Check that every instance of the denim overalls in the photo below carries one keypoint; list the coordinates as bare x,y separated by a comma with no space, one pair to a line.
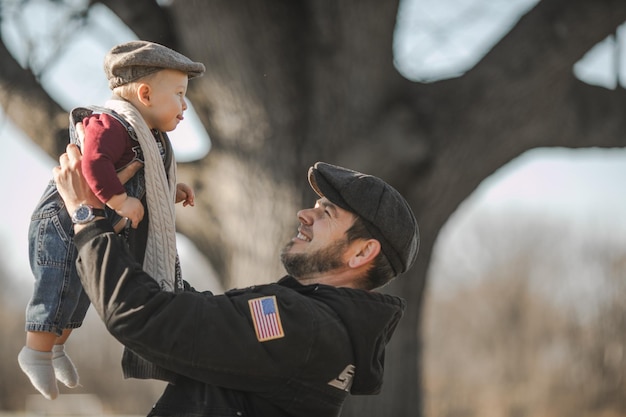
58,301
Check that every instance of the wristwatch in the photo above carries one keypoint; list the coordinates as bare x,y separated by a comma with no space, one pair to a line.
86,213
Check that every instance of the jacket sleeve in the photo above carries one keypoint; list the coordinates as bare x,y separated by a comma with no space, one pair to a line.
206,337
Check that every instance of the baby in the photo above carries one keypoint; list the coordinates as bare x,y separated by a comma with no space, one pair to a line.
129,165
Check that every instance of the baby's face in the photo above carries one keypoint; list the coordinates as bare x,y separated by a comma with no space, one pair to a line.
166,102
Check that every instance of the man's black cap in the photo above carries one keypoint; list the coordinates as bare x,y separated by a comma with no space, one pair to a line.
386,213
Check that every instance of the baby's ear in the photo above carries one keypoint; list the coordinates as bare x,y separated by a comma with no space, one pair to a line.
143,94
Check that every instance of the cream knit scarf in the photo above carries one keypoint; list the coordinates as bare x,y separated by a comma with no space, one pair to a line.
160,256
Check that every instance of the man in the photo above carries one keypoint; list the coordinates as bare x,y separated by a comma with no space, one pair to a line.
297,347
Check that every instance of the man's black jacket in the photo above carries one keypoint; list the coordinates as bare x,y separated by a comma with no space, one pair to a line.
281,349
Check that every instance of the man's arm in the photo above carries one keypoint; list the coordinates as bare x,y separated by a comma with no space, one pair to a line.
209,338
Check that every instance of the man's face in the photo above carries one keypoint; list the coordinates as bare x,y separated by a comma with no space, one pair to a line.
320,244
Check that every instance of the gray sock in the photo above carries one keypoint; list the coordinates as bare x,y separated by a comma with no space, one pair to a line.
64,369
38,367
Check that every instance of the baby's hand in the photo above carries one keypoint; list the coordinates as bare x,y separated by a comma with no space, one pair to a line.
185,194
132,209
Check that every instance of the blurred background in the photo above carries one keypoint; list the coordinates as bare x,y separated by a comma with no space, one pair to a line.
523,311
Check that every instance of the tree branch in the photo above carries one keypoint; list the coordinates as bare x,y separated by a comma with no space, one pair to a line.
28,105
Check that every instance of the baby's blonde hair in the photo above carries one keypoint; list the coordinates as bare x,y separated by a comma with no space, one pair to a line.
128,91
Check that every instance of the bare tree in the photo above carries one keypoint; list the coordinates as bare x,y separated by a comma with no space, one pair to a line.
290,83
502,342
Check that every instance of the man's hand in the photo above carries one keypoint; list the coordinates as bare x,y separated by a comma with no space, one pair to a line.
70,182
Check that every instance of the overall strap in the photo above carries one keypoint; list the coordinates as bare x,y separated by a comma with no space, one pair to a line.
77,115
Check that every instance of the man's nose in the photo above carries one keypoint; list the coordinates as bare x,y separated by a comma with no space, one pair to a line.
306,216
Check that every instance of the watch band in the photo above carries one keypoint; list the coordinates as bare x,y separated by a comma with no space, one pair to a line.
98,212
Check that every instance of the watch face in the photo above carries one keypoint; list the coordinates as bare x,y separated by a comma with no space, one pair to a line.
82,214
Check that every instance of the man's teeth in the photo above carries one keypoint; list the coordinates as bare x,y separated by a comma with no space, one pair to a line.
302,237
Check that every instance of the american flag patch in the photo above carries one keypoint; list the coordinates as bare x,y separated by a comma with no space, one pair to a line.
266,319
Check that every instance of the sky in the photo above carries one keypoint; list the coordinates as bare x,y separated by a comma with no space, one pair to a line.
578,183
439,39
430,45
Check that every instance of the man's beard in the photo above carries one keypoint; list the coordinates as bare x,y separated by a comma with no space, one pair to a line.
300,265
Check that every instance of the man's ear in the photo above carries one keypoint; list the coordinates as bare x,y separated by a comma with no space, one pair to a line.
366,251
143,94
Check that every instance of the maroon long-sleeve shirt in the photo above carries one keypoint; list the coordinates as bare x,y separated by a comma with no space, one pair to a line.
107,148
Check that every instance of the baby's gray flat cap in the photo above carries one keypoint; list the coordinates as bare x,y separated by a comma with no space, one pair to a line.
133,60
